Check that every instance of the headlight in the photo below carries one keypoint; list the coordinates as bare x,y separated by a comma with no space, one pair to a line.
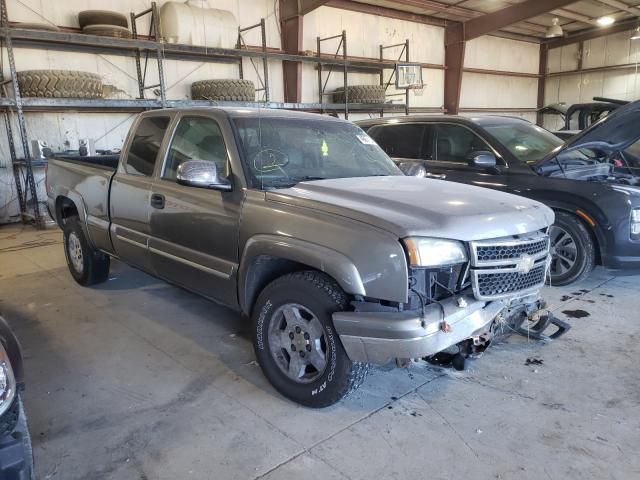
635,224
433,252
7,381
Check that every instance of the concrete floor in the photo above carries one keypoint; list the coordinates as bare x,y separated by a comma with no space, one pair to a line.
136,379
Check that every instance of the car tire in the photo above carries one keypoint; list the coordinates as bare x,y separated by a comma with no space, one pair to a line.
224,90
297,308
573,253
87,265
59,84
102,17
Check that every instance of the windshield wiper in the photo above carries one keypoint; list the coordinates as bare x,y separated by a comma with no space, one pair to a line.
306,178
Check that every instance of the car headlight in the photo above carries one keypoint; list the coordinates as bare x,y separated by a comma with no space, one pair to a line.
434,252
635,224
7,381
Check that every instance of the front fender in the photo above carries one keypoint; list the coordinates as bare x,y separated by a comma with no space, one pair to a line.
324,259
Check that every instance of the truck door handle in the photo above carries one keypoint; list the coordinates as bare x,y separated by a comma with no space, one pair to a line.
157,201
433,175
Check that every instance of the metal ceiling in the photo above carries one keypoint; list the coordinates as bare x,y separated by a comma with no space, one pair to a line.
575,17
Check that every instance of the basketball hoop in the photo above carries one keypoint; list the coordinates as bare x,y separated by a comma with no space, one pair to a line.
409,76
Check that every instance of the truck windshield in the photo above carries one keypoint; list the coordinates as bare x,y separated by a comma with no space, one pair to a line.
280,152
528,143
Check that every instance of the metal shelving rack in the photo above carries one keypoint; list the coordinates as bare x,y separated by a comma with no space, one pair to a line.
405,52
139,48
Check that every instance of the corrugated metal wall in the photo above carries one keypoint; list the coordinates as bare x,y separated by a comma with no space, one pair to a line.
610,50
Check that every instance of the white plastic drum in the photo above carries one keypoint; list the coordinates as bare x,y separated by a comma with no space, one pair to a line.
193,23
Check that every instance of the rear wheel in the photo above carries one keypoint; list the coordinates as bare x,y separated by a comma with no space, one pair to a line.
87,265
572,250
296,344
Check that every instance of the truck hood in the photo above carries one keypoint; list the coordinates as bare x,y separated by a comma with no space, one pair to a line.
411,206
614,132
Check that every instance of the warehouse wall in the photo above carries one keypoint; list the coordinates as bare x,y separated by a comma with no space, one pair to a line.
365,34
62,130
481,90
610,50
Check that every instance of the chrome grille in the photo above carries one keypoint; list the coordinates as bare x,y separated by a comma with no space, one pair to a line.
503,267
509,252
498,283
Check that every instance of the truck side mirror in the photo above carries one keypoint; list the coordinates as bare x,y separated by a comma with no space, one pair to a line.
412,169
202,174
482,159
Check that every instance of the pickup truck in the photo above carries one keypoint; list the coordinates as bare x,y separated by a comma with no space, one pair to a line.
304,224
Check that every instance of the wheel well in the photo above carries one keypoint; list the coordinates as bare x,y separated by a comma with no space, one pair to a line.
65,208
589,229
265,269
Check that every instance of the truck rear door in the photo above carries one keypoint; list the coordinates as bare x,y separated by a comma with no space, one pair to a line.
130,198
194,231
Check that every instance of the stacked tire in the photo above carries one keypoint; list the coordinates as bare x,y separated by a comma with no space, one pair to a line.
59,84
104,23
224,90
361,94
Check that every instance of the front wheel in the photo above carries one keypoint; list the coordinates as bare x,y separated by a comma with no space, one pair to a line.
295,342
572,250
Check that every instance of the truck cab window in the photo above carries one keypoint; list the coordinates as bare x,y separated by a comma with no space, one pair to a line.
196,138
145,146
399,141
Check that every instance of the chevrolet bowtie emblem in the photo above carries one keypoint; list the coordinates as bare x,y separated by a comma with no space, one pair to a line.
525,264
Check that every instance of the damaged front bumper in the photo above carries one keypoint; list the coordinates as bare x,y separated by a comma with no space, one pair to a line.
379,337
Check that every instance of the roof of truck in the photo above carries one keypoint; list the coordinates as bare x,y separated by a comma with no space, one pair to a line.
250,112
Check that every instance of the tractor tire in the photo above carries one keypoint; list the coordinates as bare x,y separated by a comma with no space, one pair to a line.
59,84
228,90
361,94
107,31
102,17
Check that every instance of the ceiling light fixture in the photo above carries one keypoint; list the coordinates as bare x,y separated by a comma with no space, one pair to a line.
555,30
636,34
605,21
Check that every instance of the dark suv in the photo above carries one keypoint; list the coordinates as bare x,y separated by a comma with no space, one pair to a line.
591,181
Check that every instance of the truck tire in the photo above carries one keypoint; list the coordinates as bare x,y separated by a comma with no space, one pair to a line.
87,265
102,17
107,31
296,344
573,253
361,94
59,84
229,90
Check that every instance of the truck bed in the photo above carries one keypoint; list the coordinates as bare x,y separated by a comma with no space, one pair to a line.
85,181
104,161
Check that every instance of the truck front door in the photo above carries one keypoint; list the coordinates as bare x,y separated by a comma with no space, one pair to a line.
194,231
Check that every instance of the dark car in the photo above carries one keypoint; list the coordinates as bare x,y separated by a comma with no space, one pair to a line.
591,181
16,460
